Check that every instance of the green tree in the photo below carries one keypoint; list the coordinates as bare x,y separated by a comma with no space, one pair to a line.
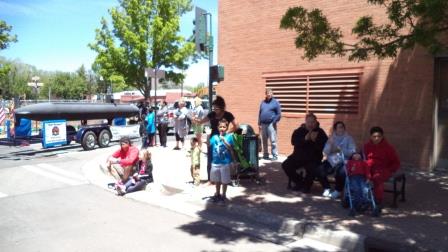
410,23
66,86
5,37
198,87
144,34
14,78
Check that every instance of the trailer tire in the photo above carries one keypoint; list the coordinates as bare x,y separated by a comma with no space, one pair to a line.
88,141
104,138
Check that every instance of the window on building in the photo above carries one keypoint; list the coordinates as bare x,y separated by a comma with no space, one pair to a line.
321,92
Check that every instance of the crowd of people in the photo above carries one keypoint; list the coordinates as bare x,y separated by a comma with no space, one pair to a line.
320,156
315,155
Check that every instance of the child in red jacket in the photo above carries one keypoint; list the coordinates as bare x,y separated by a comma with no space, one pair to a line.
358,167
359,176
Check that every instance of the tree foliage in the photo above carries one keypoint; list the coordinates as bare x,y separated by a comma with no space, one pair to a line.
14,78
410,23
5,35
5,39
64,85
144,34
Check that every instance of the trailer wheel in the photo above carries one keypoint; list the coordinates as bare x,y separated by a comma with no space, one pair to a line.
104,138
88,141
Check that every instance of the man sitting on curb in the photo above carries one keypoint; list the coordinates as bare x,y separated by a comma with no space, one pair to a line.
121,163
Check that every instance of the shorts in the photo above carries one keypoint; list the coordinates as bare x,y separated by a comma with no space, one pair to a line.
119,169
178,138
220,173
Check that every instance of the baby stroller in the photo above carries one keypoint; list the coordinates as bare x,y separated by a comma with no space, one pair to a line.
246,155
358,196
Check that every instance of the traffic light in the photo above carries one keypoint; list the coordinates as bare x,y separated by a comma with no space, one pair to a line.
217,73
200,30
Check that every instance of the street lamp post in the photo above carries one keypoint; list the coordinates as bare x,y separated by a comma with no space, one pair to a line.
156,74
36,84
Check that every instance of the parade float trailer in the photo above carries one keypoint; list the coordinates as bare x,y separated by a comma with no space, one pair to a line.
56,132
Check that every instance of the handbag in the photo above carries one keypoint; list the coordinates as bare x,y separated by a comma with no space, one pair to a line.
335,159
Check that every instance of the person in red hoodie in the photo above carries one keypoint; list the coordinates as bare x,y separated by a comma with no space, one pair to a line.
382,161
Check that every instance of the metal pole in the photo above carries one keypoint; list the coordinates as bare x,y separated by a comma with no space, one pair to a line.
210,62
155,102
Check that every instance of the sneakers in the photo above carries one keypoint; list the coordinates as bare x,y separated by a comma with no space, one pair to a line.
222,200
274,158
266,157
327,193
335,194
121,189
176,148
215,198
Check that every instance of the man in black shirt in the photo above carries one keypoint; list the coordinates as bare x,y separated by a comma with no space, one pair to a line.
308,141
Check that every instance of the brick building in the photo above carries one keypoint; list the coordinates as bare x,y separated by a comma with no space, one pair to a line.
401,95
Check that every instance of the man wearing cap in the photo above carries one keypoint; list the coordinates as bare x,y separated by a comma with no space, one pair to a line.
268,117
121,163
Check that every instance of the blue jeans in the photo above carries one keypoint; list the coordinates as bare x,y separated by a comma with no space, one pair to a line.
269,131
134,187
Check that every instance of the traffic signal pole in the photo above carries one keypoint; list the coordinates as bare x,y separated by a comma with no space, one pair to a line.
210,62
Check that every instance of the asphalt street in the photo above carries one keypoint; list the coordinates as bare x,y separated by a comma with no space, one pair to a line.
47,204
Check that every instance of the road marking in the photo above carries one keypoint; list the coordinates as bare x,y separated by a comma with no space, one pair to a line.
42,172
61,172
3,195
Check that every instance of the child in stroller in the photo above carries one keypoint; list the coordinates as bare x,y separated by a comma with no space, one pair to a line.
358,189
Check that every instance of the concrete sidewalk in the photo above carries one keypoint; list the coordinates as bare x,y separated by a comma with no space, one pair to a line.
271,212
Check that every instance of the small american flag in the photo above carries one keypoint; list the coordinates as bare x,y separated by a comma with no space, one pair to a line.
2,114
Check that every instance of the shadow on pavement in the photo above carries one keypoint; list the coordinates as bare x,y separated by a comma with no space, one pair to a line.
419,224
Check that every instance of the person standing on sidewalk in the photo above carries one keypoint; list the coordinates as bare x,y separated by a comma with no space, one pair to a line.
268,117
150,126
221,146
382,160
219,112
142,131
195,161
162,127
198,114
180,124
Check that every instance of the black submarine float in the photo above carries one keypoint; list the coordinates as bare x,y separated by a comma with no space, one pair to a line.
88,135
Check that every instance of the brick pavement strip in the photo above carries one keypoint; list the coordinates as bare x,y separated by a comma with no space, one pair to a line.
272,213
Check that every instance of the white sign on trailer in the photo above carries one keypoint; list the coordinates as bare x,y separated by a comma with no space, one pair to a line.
131,131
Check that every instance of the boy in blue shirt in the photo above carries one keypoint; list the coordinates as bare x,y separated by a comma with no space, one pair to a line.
222,153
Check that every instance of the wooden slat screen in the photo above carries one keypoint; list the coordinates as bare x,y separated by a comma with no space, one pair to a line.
323,94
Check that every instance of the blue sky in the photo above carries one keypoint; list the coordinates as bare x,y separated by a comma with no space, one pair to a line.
53,34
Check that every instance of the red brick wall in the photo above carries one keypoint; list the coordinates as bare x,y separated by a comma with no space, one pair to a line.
396,94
